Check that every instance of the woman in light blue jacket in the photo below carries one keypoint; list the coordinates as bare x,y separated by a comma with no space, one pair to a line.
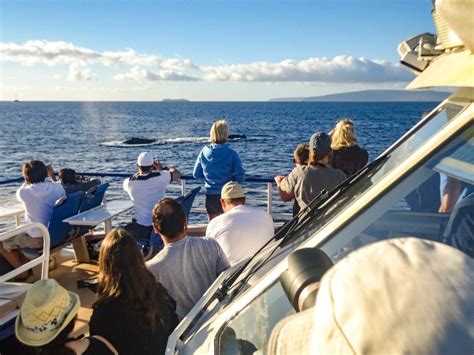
218,164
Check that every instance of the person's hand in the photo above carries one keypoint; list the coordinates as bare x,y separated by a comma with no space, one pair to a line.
50,172
279,179
157,165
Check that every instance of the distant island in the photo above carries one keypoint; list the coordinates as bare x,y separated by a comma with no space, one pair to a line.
175,100
375,96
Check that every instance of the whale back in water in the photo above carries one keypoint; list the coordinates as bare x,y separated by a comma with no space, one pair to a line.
135,140
237,136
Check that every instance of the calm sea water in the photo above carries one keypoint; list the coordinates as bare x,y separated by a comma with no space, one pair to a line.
86,135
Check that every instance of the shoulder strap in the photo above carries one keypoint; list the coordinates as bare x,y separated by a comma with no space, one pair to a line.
106,343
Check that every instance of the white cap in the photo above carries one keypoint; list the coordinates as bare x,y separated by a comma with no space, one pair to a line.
145,159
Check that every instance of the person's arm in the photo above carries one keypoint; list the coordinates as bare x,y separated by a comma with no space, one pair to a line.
284,194
175,174
197,171
239,172
51,173
450,195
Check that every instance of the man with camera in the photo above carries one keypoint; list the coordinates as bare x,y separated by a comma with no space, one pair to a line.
146,188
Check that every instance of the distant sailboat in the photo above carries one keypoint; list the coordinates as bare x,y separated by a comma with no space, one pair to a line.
16,98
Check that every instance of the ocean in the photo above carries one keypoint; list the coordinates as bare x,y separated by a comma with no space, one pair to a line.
86,136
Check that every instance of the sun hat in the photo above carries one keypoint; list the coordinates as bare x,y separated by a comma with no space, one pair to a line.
397,296
145,159
232,190
47,309
320,142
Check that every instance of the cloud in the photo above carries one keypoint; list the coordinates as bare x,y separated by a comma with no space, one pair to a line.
60,52
150,67
79,72
341,69
140,74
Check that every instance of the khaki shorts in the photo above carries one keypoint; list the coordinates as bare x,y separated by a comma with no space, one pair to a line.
21,241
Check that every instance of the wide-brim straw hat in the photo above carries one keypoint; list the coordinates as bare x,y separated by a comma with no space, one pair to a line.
47,309
396,296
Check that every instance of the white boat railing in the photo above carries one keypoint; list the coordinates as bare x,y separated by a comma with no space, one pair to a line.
266,196
42,259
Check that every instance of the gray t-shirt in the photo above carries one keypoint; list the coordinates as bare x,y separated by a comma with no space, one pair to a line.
306,182
187,268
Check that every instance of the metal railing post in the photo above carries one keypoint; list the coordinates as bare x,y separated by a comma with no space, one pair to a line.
183,187
269,198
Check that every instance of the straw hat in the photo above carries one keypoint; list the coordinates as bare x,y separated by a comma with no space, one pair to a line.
396,296
47,310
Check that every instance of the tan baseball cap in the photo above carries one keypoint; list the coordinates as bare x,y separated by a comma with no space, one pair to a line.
232,190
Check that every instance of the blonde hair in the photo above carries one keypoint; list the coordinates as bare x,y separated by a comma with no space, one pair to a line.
219,132
343,134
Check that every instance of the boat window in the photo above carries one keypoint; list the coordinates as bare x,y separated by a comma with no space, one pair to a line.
435,202
250,330
409,209
395,156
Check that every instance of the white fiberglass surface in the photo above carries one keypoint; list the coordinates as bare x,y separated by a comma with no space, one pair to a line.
421,192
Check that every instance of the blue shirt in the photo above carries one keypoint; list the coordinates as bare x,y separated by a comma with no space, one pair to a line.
218,164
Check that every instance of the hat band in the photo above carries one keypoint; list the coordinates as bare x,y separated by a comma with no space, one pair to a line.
54,324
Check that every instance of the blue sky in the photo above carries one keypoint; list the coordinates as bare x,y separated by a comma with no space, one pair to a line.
203,50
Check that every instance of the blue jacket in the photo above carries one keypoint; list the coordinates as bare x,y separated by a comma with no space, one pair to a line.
218,164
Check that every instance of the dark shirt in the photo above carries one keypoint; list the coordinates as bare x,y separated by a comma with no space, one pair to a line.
350,159
114,321
97,347
460,229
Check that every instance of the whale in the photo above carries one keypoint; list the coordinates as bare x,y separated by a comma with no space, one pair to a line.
237,136
136,140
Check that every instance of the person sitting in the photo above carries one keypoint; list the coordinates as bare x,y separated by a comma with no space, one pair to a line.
217,164
397,296
130,302
70,181
305,183
241,231
46,321
39,198
146,188
300,158
186,267
348,156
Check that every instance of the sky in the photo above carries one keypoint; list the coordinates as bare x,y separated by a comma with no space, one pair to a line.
227,50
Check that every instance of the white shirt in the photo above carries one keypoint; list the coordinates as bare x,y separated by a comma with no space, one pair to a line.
146,191
38,201
241,232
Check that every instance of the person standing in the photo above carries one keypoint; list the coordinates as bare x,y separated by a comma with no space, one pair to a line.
38,198
217,164
348,156
305,183
146,188
241,230
186,266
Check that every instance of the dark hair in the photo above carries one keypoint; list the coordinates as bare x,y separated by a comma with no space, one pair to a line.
34,171
301,154
67,176
169,217
123,275
58,344
145,169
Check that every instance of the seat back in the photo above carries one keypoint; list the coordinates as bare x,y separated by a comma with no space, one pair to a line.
187,200
59,230
94,197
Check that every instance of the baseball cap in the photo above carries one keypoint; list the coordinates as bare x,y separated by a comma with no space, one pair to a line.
393,297
232,190
320,142
145,159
